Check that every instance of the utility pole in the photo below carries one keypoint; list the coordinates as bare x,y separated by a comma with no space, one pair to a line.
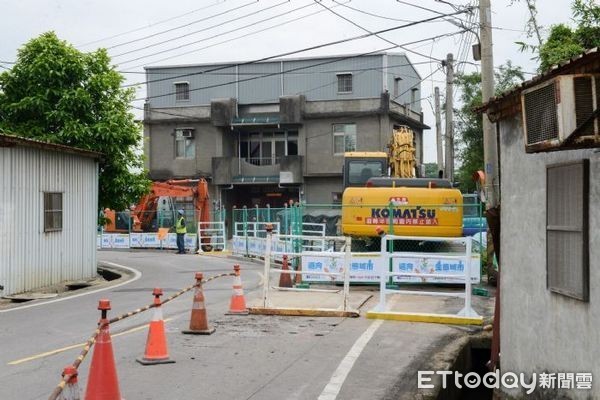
449,141
438,131
490,144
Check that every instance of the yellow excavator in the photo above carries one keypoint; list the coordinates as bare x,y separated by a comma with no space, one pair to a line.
380,186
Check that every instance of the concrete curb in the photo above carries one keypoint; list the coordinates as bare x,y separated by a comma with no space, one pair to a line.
425,317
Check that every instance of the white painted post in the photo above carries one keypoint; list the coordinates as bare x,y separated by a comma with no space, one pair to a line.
468,310
383,273
267,269
347,266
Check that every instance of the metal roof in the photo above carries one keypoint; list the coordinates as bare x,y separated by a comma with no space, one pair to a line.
586,62
275,60
7,140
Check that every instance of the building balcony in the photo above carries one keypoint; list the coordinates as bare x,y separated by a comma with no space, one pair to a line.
234,170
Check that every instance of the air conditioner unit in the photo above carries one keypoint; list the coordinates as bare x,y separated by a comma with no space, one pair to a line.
185,133
554,109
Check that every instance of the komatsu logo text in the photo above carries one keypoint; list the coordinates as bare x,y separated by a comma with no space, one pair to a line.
403,216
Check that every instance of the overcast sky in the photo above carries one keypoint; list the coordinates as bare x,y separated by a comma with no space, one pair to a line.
136,27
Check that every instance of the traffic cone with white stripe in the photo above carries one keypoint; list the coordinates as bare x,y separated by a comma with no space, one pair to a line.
71,389
237,305
156,343
103,383
198,320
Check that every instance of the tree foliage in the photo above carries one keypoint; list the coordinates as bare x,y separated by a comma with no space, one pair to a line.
564,42
58,94
469,126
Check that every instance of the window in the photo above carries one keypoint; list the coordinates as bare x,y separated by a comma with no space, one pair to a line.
336,197
360,171
567,242
397,82
182,91
267,148
344,83
184,143
413,97
53,212
344,138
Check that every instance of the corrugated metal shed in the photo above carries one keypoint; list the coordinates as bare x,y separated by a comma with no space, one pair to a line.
29,257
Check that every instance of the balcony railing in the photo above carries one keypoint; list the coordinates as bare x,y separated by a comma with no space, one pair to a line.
260,161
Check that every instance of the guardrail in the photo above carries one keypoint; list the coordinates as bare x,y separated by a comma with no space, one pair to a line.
343,310
213,233
465,316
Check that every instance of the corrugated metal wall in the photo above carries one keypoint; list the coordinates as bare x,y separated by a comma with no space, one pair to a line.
315,82
29,257
399,67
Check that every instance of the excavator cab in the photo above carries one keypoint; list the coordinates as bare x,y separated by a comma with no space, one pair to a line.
359,167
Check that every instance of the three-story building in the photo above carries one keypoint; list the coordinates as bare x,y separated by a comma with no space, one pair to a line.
269,132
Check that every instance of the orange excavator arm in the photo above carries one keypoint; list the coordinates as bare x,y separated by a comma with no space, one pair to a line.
146,208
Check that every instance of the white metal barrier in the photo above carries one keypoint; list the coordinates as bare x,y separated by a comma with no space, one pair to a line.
269,254
253,229
213,233
380,311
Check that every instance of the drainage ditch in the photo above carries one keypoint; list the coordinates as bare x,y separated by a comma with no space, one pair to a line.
471,358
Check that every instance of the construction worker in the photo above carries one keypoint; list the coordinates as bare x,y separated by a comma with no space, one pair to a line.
181,230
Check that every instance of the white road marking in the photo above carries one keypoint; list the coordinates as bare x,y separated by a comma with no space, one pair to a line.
137,275
334,386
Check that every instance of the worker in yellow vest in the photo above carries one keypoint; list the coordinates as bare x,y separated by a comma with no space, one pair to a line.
181,230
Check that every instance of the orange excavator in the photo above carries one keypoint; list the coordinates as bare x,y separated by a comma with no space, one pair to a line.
144,213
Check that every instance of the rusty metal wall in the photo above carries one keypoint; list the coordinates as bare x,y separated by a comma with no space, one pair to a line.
29,257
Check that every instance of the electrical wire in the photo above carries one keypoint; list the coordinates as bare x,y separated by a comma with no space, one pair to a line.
273,73
294,73
319,46
218,25
235,38
368,31
214,36
182,26
141,28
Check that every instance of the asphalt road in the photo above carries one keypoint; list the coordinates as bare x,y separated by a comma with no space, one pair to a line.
249,357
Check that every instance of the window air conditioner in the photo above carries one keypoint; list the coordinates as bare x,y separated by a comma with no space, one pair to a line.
187,133
554,109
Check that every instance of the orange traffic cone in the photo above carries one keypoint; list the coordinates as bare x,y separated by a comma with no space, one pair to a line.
238,302
156,343
103,383
198,320
285,280
71,389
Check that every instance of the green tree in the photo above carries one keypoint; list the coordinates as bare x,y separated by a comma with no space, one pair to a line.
431,170
563,42
469,126
58,94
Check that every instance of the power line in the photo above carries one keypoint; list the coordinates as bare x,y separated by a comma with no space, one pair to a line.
195,32
415,84
276,73
151,25
301,50
181,27
372,14
287,72
214,36
237,37
368,31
